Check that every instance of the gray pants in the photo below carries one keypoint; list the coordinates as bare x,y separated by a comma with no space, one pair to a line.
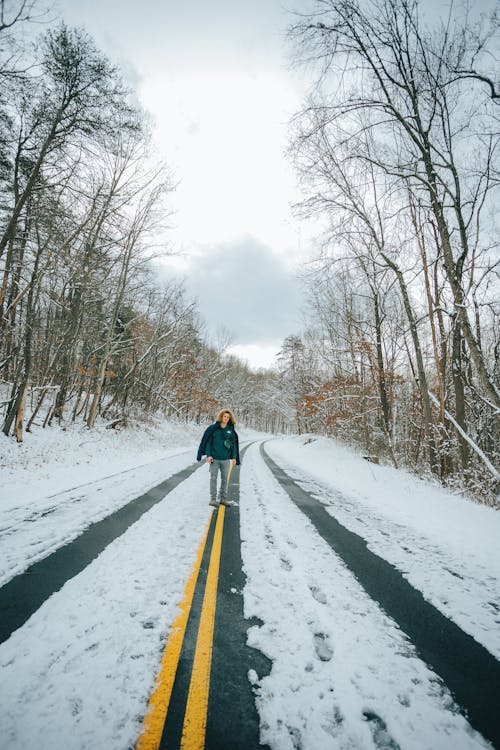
224,473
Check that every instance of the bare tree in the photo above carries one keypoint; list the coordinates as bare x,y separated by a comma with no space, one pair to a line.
399,82
398,160
79,94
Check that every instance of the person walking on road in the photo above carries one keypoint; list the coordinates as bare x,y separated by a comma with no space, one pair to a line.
220,444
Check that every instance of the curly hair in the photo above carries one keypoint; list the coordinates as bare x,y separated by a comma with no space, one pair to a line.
231,416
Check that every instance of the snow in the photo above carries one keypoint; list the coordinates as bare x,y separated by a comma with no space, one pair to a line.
445,545
79,673
59,483
89,653
52,460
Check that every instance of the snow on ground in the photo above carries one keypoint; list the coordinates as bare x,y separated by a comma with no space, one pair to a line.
57,483
78,674
445,545
343,674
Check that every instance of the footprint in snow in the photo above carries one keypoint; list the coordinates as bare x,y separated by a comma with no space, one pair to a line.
323,650
318,594
295,736
381,736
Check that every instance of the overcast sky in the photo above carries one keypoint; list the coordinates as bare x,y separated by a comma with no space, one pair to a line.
214,75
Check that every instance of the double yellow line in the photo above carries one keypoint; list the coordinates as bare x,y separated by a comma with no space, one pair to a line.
195,717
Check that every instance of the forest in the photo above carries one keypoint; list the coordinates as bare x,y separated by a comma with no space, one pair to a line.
396,151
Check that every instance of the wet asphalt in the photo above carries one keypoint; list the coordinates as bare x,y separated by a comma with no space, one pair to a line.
467,669
25,593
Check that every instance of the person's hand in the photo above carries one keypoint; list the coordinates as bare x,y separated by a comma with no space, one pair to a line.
210,459
233,461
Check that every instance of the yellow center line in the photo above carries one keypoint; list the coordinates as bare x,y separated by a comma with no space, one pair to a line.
195,717
154,719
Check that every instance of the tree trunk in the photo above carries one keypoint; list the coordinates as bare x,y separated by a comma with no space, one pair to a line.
18,427
97,393
37,408
381,378
422,378
455,282
16,410
445,458
458,386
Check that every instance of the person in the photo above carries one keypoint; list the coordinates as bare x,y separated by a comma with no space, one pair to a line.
220,444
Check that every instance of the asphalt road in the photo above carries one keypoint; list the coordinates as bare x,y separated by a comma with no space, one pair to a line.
25,593
232,722
221,700
470,672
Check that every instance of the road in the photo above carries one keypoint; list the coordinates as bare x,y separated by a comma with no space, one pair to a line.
203,697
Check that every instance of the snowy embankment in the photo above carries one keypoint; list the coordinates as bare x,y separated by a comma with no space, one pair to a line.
52,460
58,482
78,674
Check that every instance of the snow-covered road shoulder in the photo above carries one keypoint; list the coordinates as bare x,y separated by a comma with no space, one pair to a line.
89,655
343,674
444,544
79,672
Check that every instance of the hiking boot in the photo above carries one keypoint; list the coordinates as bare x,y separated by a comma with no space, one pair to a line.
227,503
213,502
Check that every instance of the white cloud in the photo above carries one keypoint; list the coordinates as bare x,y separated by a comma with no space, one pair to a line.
213,76
225,135
243,287
256,355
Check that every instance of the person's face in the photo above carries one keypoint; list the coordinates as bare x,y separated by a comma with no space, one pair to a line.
224,419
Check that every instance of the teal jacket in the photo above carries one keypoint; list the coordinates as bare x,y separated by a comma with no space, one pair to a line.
221,444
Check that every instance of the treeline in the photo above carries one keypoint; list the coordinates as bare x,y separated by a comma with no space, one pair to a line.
87,329
397,152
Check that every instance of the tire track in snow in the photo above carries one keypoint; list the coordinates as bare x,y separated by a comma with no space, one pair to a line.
25,593
468,670
343,674
29,542
19,512
78,674
472,600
